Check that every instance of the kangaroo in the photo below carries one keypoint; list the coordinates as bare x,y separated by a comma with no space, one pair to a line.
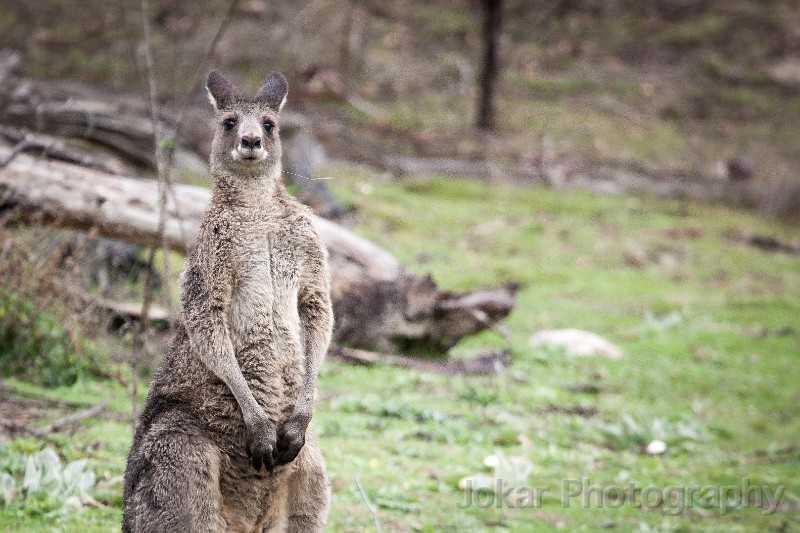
223,442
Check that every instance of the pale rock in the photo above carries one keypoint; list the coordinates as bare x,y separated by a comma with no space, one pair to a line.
576,342
491,461
656,447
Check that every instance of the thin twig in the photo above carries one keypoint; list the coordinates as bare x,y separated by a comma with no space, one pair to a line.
20,147
138,342
151,86
162,164
369,505
70,419
141,332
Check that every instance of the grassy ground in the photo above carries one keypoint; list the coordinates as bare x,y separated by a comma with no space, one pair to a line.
710,329
710,326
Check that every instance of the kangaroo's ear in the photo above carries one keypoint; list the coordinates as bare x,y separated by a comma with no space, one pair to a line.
221,92
273,92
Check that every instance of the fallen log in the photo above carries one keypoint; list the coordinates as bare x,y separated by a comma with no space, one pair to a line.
109,118
55,148
123,313
377,302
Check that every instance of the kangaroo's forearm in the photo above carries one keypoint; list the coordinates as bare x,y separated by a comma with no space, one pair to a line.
316,336
214,348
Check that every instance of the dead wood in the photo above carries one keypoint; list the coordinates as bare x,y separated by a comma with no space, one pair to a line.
463,168
377,301
106,117
70,419
303,157
58,149
771,244
766,243
132,310
123,314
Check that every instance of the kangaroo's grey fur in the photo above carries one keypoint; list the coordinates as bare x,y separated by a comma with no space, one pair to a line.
223,441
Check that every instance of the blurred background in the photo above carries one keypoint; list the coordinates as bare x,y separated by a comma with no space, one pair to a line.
589,213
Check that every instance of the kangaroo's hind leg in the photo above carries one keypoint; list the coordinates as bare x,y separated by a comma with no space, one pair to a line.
172,482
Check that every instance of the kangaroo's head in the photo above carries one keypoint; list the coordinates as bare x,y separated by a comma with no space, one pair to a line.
246,142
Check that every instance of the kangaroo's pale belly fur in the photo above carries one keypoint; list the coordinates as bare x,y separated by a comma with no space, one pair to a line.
265,323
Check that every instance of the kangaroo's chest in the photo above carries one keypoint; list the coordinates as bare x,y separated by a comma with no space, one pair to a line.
265,287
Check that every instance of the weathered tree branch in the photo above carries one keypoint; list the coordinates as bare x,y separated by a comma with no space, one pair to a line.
55,148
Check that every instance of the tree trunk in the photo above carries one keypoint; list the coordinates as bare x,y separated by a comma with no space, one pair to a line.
377,302
492,22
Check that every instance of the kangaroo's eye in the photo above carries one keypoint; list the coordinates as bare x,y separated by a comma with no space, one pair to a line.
229,123
268,126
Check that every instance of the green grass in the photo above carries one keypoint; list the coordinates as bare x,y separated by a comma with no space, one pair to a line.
696,31
710,328
553,89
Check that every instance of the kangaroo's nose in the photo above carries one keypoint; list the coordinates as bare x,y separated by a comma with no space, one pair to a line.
251,141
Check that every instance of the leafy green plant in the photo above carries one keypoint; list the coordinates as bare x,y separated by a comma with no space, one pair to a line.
666,526
8,489
48,488
508,473
629,433
35,344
